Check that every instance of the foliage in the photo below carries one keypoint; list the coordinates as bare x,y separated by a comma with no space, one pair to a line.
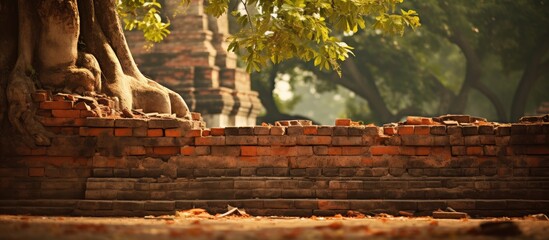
279,30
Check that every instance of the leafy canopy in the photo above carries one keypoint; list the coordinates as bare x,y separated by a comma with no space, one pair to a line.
277,30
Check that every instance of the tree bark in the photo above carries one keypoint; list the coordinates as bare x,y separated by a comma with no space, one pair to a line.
533,70
49,56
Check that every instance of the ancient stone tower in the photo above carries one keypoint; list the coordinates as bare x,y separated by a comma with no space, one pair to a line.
193,61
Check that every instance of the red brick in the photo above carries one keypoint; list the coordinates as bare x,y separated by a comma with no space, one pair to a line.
56,105
444,153
405,130
217,131
474,150
310,130
62,122
314,140
366,161
248,162
304,150
407,151
196,116
194,133
343,122
248,151
352,151
422,130
65,113
187,150
39,96
427,121
202,150
92,131
206,132
36,172
135,150
263,151
423,151
241,140
173,132
69,130
155,132
283,151
413,120
277,130
166,150
537,150
334,150
123,132
208,141
381,150
389,130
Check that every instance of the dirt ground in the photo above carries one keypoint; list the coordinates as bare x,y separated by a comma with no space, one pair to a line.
204,226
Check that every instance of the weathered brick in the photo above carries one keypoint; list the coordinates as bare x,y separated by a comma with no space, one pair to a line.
438,130
294,130
278,130
100,122
166,150
405,130
340,131
248,150
65,113
155,132
325,130
382,150
210,140
346,141
202,150
389,130
123,132
277,140
193,133
314,140
56,105
36,172
130,122
474,150
519,129
217,131
422,130
262,130
135,150
225,150
310,130
241,140
163,123
96,131
343,122
334,151
173,132
246,131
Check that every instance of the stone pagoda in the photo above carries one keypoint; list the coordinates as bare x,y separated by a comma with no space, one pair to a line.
194,62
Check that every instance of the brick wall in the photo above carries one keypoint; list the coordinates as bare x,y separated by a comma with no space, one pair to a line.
121,166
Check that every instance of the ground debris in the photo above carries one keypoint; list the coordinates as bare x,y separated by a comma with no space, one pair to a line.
234,212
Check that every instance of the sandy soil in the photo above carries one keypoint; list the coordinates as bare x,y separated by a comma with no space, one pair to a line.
209,227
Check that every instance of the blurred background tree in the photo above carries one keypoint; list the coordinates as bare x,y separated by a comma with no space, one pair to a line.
481,57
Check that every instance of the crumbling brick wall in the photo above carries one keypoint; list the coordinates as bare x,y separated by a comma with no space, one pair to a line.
139,165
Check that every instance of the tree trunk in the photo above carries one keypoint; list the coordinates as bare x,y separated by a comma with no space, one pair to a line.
49,56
